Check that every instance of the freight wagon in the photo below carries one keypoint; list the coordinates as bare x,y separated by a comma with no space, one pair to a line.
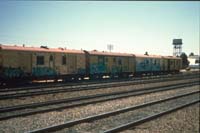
146,64
30,63
99,64
172,64
20,63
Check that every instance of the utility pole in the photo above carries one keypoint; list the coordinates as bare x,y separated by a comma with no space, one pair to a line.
110,47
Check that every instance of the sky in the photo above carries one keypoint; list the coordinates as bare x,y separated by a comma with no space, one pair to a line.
130,26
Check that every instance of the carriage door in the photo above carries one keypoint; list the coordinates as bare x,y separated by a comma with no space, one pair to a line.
25,61
51,61
151,65
168,63
72,65
101,64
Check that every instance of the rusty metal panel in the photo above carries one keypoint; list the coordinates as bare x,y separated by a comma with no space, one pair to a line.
109,63
81,64
165,64
59,67
93,59
72,64
46,69
11,59
131,64
172,65
178,64
25,61
162,64
124,64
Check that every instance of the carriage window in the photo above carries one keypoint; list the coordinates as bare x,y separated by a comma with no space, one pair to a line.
171,62
106,59
154,62
114,60
40,60
51,58
119,62
64,60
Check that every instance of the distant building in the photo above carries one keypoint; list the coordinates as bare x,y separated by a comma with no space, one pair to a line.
194,61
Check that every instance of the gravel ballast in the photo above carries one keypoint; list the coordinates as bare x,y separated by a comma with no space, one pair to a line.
56,117
42,98
113,121
182,121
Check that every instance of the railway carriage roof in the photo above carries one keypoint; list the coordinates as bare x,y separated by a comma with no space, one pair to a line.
148,56
157,56
171,57
38,49
94,52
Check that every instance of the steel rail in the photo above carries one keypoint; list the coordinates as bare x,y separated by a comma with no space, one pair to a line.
5,117
107,114
68,84
44,92
148,118
82,102
74,99
46,86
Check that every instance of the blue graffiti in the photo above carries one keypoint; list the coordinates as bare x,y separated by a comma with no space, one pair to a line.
147,65
97,68
116,69
81,71
13,72
43,71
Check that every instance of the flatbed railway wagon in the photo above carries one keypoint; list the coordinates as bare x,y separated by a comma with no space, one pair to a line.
18,63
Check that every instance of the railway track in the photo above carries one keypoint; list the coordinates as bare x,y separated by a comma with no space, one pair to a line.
88,87
148,118
89,82
54,105
122,119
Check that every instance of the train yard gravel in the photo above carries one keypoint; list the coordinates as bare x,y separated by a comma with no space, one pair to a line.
182,121
55,117
113,121
42,98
